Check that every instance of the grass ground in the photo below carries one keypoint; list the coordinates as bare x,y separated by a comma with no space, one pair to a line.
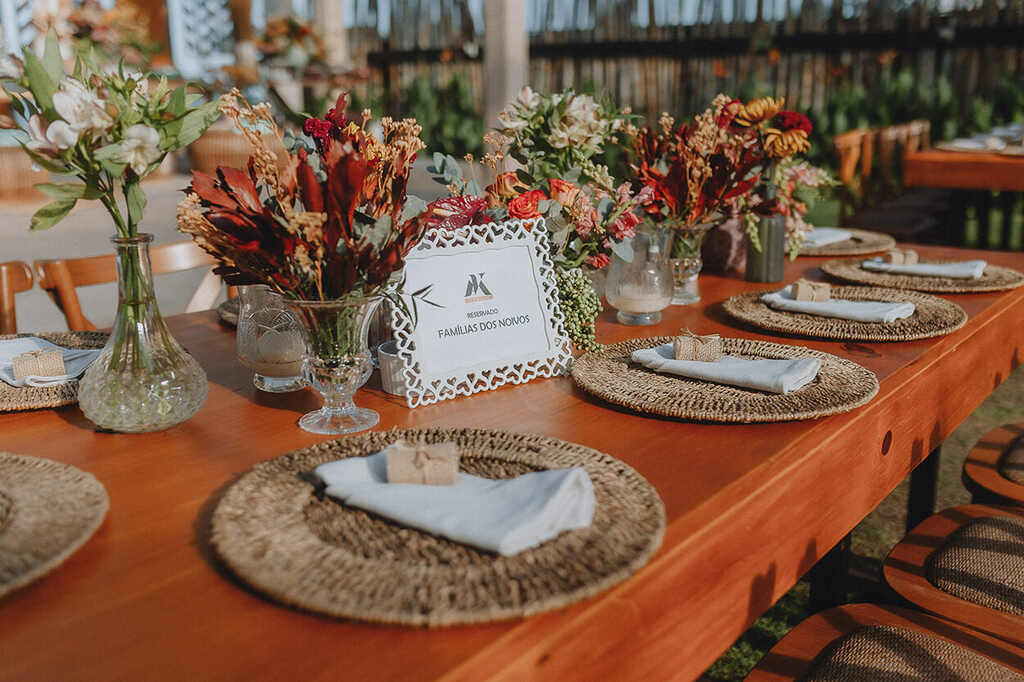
881,530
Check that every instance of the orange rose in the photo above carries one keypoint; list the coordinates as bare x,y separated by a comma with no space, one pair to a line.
504,187
563,192
524,206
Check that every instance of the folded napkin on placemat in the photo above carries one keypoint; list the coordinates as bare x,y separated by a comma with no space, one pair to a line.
857,311
968,269
504,516
772,376
823,236
76,361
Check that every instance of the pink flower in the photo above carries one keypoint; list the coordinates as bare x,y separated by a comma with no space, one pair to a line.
598,261
623,226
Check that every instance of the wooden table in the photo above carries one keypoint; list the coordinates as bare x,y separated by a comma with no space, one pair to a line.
964,170
750,509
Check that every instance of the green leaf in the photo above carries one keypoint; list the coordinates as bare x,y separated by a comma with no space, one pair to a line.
107,152
413,207
196,122
136,200
52,61
51,214
40,83
59,191
45,162
176,105
115,168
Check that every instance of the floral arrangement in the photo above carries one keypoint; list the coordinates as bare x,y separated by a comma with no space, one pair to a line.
290,41
695,171
335,223
782,133
108,129
799,186
121,32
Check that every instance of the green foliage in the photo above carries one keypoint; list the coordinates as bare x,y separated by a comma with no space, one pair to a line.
448,114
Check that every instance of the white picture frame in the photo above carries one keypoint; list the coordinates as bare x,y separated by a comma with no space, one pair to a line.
485,299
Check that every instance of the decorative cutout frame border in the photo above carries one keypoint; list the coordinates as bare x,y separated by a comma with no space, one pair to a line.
421,391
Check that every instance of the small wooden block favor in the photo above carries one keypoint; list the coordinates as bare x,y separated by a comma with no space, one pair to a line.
805,290
690,346
39,363
425,464
900,257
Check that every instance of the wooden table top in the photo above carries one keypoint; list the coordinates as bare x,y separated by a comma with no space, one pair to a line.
750,509
964,170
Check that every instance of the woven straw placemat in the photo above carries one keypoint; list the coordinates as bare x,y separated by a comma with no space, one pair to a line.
1011,466
47,511
279,536
227,311
860,242
995,278
983,563
891,654
840,386
933,316
35,398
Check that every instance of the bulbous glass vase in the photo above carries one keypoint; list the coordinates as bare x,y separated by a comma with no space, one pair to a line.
269,340
641,287
143,380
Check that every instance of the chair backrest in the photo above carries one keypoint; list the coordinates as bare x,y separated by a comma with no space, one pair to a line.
16,19
60,277
202,37
15,276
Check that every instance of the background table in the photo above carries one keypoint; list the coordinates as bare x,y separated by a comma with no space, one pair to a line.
964,170
750,509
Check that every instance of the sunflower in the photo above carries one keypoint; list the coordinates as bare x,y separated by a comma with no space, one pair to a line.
785,143
759,110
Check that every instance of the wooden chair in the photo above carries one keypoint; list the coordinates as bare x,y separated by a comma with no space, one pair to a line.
60,277
994,470
923,556
827,646
15,276
849,146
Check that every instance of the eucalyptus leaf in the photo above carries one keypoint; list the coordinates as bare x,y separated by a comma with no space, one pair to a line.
380,232
623,250
573,175
413,207
473,188
605,207
51,214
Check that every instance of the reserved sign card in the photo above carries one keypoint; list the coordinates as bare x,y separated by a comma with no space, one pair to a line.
487,312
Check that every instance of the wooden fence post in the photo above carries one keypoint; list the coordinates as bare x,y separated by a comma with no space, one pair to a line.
506,55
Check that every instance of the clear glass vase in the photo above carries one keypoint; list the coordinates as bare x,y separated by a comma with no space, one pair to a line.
337,361
641,287
269,340
143,380
687,241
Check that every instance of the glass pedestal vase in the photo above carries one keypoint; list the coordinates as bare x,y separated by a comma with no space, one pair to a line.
641,287
143,380
269,340
766,260
687,263
337,361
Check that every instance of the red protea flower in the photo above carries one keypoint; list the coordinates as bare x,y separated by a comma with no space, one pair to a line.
792,120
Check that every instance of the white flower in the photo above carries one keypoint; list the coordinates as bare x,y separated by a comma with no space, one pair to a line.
139,148
11,68
528,98
559,138
37,141
61,135
81,108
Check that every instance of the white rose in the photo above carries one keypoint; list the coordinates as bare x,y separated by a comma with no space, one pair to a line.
37,140
139,148
559,138
81,108
528,98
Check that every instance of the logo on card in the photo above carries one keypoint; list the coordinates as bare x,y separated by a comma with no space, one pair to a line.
476,290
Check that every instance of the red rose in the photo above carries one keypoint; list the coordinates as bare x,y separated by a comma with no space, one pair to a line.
792,120
563,192
524,206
